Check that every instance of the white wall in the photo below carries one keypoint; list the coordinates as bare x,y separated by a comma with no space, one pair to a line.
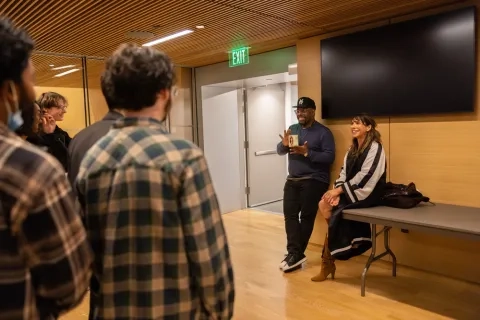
291,97
293,102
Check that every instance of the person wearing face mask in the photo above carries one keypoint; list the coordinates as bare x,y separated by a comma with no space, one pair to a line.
167,234
54,105
45,258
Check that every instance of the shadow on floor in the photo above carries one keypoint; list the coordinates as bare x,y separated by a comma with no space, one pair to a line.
406,289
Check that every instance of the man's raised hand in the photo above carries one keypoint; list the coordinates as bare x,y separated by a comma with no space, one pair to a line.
285,137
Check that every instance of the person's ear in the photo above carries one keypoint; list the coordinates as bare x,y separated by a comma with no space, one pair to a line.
369,128
6,91
164,95
11,90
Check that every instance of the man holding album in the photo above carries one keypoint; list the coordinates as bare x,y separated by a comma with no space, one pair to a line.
311,151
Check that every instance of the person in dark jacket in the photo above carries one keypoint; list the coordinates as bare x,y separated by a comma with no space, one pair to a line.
77,149
360,185
86,138
45,258
57,142
308,179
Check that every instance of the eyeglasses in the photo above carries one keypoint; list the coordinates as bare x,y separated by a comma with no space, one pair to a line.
302,111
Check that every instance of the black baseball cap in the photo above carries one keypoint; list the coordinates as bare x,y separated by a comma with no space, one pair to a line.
305,103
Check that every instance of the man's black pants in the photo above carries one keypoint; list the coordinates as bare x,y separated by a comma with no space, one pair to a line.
301,196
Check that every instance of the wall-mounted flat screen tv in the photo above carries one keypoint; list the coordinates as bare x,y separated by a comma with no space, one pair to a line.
421,66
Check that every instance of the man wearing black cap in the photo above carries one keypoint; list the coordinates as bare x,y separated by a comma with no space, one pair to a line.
308,178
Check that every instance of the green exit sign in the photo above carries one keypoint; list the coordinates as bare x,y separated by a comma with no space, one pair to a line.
239,57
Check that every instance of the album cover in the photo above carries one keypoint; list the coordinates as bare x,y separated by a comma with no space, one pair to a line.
293,141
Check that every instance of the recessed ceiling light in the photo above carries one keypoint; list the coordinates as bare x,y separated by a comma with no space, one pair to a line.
65,73
200,27
170,37
51,65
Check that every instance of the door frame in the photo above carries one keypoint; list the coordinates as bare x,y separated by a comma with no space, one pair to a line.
246,146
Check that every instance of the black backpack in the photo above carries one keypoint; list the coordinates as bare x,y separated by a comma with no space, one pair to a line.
402,196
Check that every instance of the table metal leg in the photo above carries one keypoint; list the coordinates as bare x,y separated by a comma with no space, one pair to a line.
386,240
370,259
373,257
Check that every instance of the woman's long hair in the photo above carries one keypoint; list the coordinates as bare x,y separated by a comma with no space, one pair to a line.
28,115
371,136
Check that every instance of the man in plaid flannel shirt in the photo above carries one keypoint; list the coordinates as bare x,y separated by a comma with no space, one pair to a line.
45,259
151,212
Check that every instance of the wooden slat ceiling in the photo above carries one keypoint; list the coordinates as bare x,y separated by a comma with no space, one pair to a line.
97,27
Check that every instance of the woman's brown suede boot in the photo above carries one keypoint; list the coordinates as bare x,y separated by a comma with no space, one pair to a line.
328,264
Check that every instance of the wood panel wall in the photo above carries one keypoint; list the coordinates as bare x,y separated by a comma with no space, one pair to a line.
75,117
439,153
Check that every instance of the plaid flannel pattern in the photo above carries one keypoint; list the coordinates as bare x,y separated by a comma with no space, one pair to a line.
154,223
45,259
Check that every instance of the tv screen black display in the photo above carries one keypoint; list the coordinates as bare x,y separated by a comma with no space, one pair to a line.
421,66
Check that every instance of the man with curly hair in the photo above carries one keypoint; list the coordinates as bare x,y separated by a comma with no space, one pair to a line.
151,212
45,259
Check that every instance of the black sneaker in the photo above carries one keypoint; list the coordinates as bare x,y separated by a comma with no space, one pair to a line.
284,261
294,262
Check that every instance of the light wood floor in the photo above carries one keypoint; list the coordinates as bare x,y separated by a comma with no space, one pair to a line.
263,292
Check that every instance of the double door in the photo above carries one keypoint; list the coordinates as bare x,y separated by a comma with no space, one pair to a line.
240,134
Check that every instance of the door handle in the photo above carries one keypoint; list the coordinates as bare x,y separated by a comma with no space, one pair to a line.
265,152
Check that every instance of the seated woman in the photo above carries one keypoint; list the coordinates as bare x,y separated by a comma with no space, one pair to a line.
360,185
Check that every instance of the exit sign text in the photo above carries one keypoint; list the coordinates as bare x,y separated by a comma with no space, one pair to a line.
239,57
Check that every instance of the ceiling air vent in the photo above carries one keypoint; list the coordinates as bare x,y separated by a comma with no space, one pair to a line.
139,35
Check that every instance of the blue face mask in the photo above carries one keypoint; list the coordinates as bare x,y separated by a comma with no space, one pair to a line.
15,119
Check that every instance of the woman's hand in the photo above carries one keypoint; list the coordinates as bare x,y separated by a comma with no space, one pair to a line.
332,194
49,123
334,201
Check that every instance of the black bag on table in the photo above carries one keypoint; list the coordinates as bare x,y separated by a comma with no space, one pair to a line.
402,196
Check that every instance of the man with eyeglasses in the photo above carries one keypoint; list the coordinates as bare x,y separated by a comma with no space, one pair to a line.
54,106
311,151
